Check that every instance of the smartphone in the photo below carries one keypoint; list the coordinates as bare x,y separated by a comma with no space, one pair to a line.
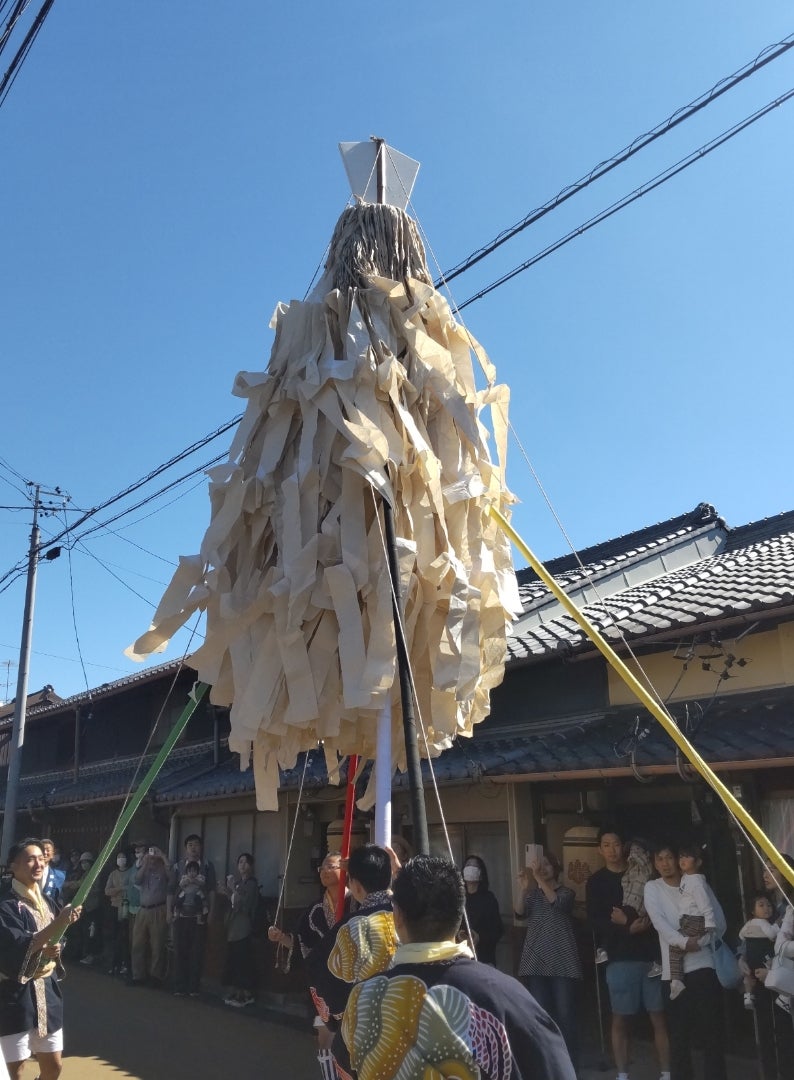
532,853
151,851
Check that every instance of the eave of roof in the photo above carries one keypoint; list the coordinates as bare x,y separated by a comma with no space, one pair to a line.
748,581
106,690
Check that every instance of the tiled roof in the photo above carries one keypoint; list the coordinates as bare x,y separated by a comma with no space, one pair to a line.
728,730
742,728
54,704
228,778
39,699
106,779
752,576
612,554
732,729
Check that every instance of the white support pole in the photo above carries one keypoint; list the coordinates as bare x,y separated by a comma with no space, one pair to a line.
383,775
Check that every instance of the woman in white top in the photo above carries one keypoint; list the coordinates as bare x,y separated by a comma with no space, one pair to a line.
700,1008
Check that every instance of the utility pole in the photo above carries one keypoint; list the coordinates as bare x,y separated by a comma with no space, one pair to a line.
21,701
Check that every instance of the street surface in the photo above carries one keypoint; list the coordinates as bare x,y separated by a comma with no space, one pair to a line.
112,1030
116,1031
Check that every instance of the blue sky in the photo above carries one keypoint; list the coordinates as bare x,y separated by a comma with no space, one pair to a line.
171,172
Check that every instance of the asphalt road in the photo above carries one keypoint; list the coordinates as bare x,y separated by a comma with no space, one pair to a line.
112,1030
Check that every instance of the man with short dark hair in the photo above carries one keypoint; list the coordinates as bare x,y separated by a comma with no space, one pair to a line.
360,945
53,876
436,1004
631,946
190,936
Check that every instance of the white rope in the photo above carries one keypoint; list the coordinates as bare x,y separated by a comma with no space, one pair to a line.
291,839
418,712
157,721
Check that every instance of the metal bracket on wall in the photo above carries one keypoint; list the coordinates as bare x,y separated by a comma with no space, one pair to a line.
637,774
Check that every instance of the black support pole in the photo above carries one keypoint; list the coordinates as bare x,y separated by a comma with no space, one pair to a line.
412,761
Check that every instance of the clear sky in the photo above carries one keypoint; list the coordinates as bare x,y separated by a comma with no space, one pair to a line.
170,172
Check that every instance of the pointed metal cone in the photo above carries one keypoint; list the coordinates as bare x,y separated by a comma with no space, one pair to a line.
360,161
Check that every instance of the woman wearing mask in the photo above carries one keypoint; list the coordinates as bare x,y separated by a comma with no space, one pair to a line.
482,910
550,967
116,891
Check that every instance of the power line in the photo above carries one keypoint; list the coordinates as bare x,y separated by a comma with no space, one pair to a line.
74,616
13,19
19,57
14,472
67,659
651,185
766,56
81,549
145,501
159,510
148,478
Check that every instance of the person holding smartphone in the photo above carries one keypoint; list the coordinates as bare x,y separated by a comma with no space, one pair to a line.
550,967
150,933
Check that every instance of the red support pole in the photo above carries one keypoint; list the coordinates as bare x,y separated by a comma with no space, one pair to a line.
350,797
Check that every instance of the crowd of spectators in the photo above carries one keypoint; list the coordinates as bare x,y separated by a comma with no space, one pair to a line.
656,926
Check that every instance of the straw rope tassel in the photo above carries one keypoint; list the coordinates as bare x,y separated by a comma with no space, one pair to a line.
653,707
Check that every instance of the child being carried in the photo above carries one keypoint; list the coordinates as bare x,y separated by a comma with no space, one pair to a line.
636,874
759,934
697,914
191,901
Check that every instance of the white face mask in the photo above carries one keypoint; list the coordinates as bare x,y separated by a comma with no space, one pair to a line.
471,873
121,862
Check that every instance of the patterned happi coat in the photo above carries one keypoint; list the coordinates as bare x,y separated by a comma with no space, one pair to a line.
30,993
456,1018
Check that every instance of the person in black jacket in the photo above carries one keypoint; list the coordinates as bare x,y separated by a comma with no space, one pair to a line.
482,910
436,1007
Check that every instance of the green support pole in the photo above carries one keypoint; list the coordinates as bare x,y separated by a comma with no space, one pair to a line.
196,694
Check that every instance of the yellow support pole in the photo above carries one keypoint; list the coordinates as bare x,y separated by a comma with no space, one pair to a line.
654,707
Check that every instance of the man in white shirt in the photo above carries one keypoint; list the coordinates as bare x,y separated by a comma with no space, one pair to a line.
700,1008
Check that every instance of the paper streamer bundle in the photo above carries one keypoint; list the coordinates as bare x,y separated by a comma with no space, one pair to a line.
369,395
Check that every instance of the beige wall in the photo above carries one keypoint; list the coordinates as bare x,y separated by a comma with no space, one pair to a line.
770,657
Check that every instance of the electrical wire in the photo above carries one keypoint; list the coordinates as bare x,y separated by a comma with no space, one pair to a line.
13,19
74,616
112,573
766,56
182,495
651,185
13,580
66,659
21,54
87,514
157,720
151,498
81,549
